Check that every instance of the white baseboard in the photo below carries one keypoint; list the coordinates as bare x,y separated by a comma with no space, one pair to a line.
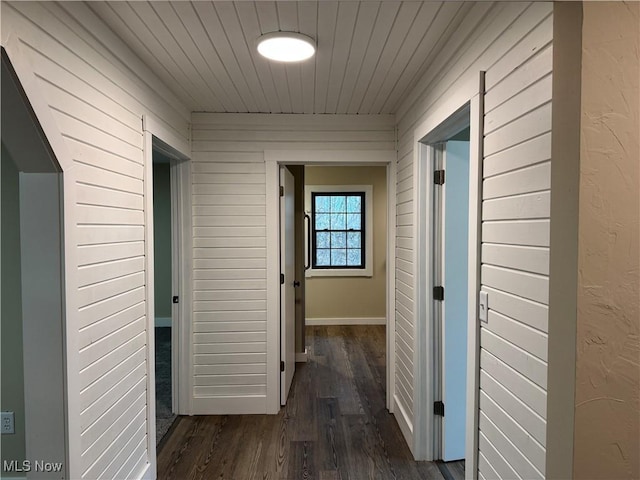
247,405
346,321
405,424
162,322
148,473
302,357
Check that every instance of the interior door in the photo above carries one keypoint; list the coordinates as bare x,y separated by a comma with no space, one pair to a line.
454,309
287,287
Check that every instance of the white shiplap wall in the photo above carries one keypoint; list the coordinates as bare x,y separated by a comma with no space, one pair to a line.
512,43
229,240
97,92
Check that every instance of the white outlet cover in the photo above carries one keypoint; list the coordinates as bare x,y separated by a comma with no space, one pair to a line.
8,423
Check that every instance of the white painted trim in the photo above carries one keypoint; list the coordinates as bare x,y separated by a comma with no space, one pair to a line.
177,149
162,322
162,131
71,347
476,156
406,427
391,285
300,157
302,357
311,322
148,473
423,380
324,157
564,265
273,284
147,152
368,222
182,284
246,405
434,128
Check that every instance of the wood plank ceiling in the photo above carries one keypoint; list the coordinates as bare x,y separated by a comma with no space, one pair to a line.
370,54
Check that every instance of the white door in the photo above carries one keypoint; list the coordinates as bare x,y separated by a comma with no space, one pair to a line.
454,309
287,279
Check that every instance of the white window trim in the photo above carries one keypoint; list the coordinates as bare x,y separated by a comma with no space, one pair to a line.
368,219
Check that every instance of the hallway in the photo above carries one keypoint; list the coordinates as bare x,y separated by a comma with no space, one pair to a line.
335,425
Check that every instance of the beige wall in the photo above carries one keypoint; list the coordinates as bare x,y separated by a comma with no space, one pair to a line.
607,411
352,297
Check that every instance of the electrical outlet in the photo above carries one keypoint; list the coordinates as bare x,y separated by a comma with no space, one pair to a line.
8,423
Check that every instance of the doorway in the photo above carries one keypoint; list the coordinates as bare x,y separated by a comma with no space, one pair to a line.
33,308
450,279
163,276
340,247
447,274
312,160
168,216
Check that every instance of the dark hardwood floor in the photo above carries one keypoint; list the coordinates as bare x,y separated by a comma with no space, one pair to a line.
334,426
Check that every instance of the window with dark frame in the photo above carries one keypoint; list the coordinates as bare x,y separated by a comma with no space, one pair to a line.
338,230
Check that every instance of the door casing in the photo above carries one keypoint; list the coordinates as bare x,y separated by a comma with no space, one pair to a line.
158,137
465,109
273,160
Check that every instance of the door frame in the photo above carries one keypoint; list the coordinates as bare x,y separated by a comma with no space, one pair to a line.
48,126
158,136
467,107
273,160
284,173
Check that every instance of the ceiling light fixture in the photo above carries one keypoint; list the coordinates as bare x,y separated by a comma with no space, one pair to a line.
286,46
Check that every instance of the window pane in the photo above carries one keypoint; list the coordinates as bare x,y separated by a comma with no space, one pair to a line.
323,257
353,221
354,240
353,204
339,257
322,240
338,204
338,221
323,204
339,240
322,221
354,257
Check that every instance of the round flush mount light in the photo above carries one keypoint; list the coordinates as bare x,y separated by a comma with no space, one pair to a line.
286,46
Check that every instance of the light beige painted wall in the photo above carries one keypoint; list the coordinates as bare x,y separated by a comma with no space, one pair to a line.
607,413
352,297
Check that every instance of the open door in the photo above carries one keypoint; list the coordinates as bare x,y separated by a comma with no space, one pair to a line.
455,229
287,283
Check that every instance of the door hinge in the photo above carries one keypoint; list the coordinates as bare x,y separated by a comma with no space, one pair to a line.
281,191
282,279
438,408
175,299
438,293
438,177
282,366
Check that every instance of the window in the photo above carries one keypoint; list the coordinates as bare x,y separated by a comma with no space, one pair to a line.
340,225
337,226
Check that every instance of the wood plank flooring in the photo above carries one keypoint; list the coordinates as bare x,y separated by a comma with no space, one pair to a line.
335,425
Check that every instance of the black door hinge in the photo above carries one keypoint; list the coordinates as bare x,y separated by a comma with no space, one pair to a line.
175,299
281,366
438,177
282,191
282,279
438,408
438,293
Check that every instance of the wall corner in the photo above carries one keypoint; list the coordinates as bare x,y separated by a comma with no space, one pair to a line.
563,263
